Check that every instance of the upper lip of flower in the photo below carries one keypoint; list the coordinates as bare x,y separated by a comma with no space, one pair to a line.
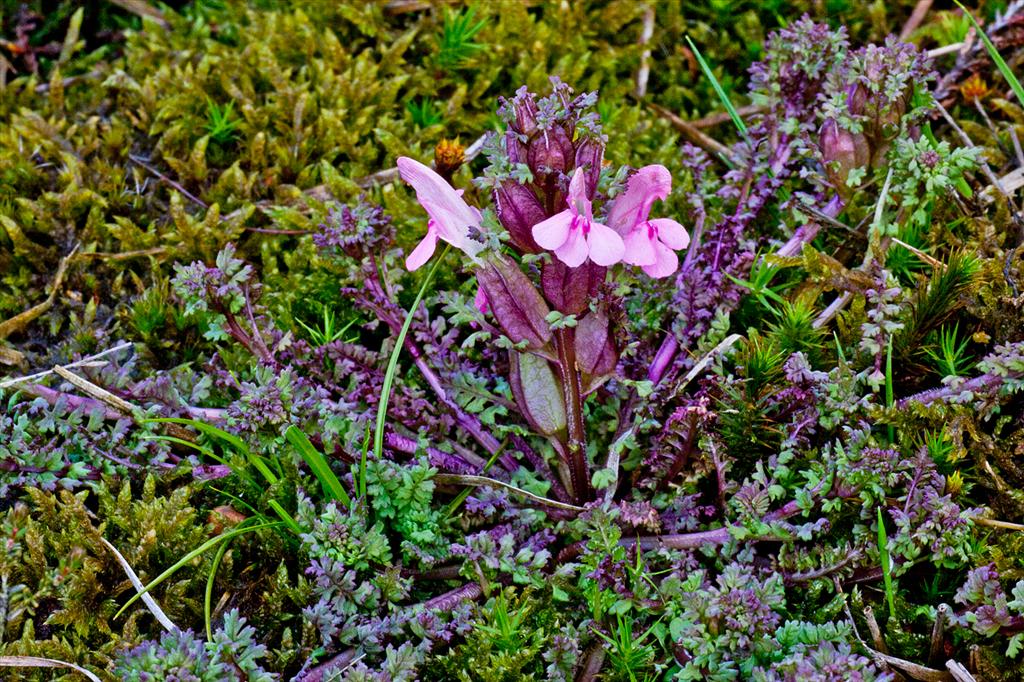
649,248
450,216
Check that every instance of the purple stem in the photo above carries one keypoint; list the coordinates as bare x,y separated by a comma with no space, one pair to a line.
73,401
449,600
468,422
663,358
984,383
443,460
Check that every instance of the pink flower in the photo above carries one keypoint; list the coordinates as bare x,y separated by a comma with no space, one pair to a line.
651,244
450,216
574,236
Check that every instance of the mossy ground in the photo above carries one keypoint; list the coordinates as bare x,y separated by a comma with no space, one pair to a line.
135,143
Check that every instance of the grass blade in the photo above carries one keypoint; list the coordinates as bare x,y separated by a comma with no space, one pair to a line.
208,595
220,434
147,599
1000,63
389,375
37,662
883,553
321,469
889,395
362,464
198,551
720,91
288,519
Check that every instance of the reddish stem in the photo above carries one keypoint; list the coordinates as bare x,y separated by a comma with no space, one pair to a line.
572,388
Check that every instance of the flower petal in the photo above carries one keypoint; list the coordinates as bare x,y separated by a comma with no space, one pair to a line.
644,187
423,251
639,246
667,262
443,203
577,188
573,252
553,232
605,244
671,233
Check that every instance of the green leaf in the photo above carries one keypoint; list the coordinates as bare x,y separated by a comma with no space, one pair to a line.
883,553
321,469
720,91
220,434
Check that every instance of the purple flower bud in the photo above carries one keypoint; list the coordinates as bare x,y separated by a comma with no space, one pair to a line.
519,210
525,110
589,156
550,151
570,290
514,147
842,151
856,99
517,305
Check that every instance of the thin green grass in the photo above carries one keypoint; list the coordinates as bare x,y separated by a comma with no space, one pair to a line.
720,91
1000,63
318,464
389,374
198,551
886,560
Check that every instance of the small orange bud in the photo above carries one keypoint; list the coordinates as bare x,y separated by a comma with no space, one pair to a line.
448,156
974,88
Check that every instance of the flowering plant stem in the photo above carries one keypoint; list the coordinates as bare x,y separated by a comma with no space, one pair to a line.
576,448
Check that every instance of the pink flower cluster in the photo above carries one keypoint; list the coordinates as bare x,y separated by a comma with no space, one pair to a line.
630,236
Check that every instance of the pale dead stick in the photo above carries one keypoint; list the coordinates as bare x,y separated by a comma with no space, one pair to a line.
39,662
916,17
690,132
644,71
91,361
101,394
146,597
459,479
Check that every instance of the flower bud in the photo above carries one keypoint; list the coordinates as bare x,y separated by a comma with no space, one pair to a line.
589,156
570,290
856,99
524,109
595,349
448,156
514,147
550,151
519,210
842,151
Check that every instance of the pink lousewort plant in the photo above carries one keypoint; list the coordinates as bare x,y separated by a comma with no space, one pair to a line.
545,179
651,244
